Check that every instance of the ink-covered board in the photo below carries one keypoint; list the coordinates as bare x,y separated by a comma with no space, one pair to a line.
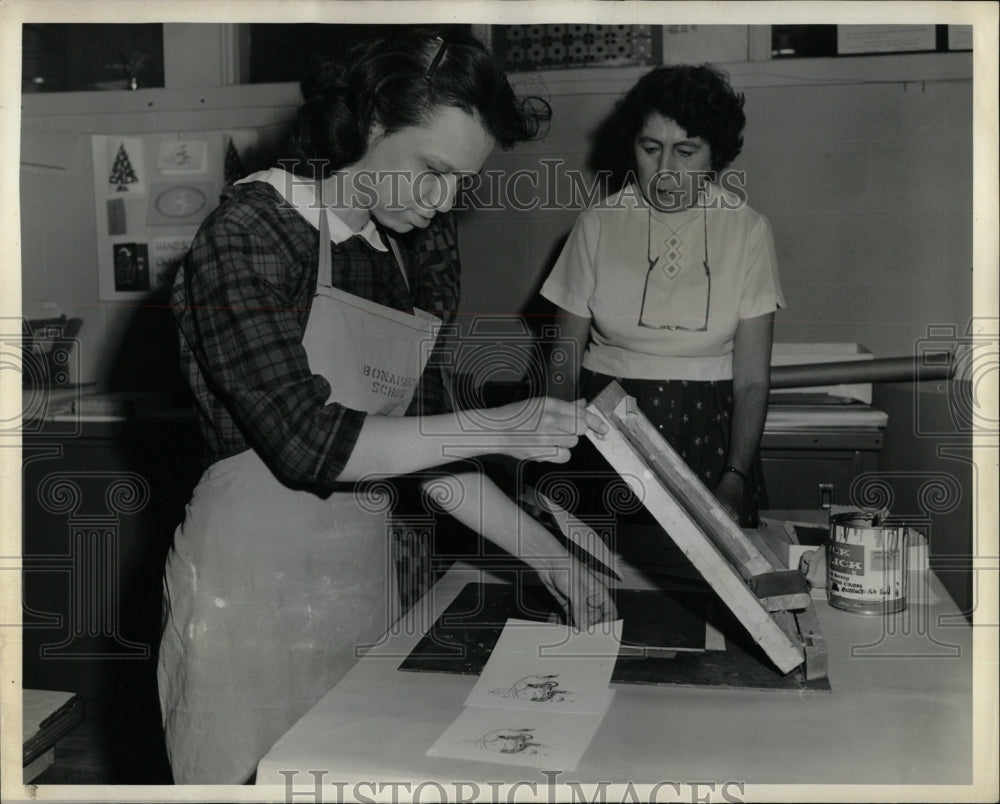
462,639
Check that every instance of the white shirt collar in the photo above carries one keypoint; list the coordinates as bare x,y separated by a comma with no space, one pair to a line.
301,194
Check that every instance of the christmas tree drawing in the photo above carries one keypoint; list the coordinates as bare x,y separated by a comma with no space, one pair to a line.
233,168
122,173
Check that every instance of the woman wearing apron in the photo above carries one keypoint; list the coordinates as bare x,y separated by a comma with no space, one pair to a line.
304,344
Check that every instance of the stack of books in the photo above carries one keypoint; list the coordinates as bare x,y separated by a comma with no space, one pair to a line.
47,715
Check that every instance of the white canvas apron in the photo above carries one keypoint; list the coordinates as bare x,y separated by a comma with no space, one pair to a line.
268,591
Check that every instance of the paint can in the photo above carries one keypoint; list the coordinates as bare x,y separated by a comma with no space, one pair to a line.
866,563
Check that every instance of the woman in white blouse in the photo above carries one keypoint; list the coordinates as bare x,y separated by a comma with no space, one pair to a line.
670,284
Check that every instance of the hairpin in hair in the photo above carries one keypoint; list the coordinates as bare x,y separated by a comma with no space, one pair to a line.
429,75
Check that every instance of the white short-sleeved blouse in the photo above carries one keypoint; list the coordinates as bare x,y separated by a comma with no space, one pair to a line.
602,274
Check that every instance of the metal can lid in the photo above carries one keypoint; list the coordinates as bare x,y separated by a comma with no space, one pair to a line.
857,519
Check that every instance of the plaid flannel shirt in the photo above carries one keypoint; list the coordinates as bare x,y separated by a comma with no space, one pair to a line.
242,300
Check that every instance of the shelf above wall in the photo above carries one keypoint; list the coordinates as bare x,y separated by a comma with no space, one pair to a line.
889,69
222,73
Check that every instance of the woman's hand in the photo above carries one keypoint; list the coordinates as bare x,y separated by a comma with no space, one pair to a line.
584,598
813,566
729,492
540,428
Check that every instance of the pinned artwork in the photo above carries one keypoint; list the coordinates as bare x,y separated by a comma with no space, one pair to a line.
157,189
185,204
165,258
234,165
127,169
116,216
240,151
131,262
183,156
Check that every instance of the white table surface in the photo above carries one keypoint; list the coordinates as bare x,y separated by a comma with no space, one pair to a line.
900,713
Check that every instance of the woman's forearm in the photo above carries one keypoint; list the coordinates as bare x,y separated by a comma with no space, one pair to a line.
535,429
479,504
749,414
751,384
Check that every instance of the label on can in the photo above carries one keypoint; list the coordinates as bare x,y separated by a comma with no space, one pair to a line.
866,564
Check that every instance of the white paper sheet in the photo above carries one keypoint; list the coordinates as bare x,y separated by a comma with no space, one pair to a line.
540,697
540,739
714,640
549,667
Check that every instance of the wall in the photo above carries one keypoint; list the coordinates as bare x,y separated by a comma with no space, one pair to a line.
121,345
863,166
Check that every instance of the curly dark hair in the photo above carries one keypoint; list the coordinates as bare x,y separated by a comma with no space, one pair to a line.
398,79
698,98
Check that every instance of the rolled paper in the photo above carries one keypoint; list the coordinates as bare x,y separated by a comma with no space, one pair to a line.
889,369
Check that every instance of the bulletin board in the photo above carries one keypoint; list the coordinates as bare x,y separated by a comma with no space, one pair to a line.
151,192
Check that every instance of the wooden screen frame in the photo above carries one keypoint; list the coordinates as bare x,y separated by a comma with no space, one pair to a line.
695,520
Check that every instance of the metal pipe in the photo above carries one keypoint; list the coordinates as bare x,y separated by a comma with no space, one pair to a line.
889,369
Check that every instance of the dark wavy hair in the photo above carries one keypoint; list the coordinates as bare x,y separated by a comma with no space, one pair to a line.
398,79
698,98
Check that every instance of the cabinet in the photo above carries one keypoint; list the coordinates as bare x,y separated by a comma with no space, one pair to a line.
798,464
101,500
100,505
